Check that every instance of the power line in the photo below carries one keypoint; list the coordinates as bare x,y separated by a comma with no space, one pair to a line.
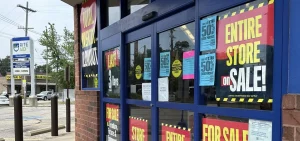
7,34
5,19
5,37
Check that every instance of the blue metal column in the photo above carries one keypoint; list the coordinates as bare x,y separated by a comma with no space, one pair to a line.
197,94
154,87
124,95
100,75
277,73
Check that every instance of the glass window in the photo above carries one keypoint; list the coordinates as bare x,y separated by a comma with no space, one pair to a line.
224,128
176,123
113,122
139,123
139,69
134,5
244,57
111,70
230,128
114,12
176,76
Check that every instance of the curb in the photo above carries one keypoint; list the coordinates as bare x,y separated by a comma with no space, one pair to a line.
42,131
37,106
1,139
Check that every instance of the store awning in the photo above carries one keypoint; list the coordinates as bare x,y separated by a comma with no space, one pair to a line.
72,2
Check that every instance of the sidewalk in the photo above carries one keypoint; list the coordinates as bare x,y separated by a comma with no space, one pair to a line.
65,137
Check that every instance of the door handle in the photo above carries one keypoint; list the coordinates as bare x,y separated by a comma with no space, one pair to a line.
151,105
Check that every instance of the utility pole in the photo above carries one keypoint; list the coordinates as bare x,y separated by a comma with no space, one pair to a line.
27,9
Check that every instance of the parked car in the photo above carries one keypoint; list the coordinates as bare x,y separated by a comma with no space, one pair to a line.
44,95
4,100
28,93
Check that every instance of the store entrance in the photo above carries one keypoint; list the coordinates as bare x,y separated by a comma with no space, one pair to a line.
188,79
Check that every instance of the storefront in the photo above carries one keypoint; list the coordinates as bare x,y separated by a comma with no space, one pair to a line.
182,70
40,83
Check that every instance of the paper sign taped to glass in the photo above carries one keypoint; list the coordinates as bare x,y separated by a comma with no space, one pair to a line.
208,33
163,89
146,91
245,56
147,69
164,64
207,67
260,130
188,64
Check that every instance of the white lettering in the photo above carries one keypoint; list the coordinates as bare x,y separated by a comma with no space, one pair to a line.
256,78
241,80
89,57
233,73
244,81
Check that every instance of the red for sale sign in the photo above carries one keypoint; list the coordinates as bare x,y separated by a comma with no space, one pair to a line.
222,130
138,129
173,133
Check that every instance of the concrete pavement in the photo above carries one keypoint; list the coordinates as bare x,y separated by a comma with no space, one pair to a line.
66,137
35,118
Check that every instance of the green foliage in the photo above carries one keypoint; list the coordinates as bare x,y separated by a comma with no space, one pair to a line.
42,69
4,65
60,53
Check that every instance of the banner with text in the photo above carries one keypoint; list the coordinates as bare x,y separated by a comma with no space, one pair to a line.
113,122
138,129
222,130
245,55
173,133
89,51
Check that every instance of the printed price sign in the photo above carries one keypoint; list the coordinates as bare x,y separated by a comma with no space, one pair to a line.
207,64
208,33
164,64
147,69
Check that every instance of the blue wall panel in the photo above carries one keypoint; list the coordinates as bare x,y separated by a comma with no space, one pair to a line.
134,20
294,48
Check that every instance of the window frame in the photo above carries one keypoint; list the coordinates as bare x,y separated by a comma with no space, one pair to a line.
203,8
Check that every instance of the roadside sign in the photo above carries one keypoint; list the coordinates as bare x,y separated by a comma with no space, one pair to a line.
24,83
21,54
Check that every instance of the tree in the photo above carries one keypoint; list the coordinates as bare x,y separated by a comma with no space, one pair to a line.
4,65
42,69
60,53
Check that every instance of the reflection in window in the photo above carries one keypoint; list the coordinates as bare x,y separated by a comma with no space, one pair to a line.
139,69
111,70
176,122
134,5
114,13
174,45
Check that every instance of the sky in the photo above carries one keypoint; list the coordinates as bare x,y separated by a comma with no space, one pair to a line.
53,11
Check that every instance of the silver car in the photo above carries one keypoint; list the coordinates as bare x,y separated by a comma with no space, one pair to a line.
44,95
4,99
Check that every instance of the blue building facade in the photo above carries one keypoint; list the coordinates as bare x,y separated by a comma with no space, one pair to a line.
189,70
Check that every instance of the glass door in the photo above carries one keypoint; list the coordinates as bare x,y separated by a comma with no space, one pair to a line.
110,69
138,54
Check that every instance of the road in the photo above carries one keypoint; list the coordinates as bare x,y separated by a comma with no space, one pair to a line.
33,118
